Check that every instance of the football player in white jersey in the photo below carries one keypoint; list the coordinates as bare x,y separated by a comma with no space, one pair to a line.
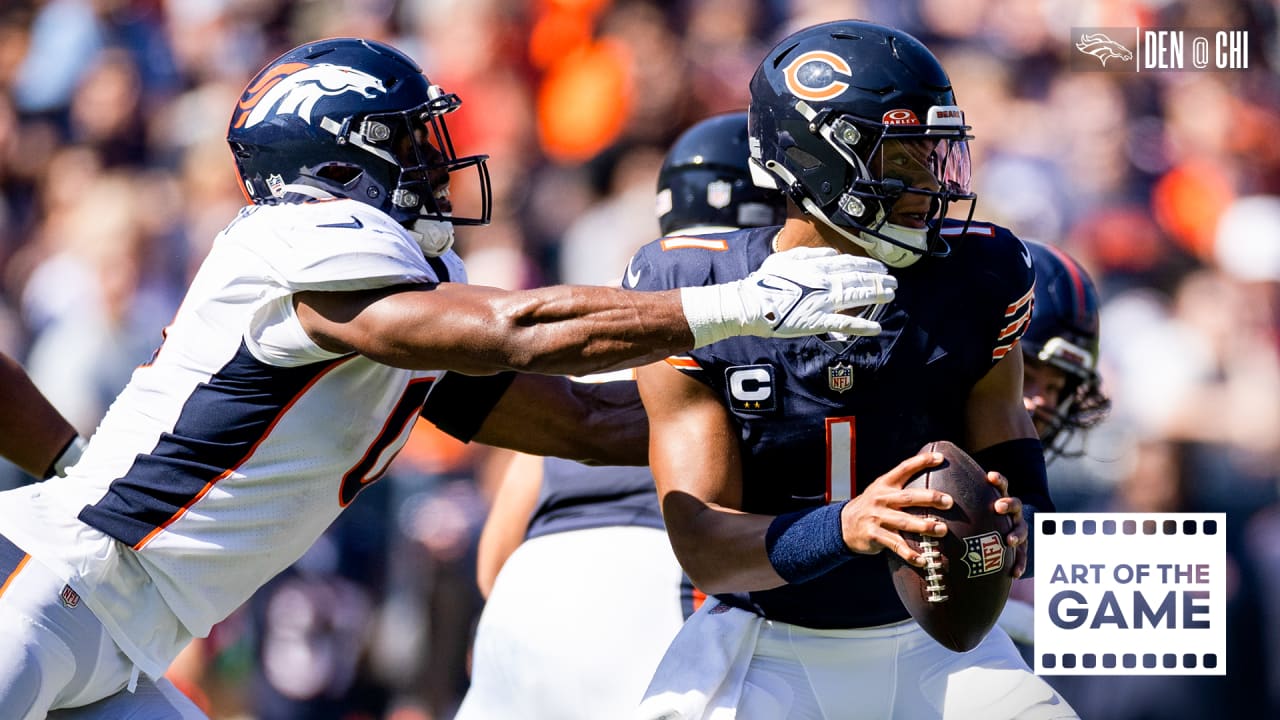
33,434
295,367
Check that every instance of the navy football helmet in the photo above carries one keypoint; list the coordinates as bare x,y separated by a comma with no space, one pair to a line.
858,124
705,180
355,119
1063,334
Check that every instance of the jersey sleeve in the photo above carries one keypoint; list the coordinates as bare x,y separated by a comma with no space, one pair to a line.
1010,261
338,246
674,262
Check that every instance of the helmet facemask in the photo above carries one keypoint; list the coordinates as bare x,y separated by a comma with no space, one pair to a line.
420,159
1081,402
894,184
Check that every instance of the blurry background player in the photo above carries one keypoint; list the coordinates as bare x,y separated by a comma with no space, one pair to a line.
1060,353
582,610
780,465
1060,384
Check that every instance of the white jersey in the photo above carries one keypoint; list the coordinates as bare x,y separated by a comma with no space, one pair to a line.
229,453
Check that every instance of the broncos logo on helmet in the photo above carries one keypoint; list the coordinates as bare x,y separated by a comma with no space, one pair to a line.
294,89
1103,48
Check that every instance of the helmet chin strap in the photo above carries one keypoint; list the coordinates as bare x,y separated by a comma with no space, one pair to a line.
878,248
433,236
894,255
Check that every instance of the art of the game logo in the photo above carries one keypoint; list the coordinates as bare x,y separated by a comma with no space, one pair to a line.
1135,49
1130,594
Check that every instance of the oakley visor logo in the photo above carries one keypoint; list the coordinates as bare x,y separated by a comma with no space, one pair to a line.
815,75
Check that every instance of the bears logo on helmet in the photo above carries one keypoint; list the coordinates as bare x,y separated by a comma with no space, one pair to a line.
835,123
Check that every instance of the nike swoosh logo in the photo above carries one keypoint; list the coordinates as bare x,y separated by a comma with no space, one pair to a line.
762,283
1026,256
632,276
355,224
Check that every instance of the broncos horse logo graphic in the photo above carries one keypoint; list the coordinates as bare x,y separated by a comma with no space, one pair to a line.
1103,48
294,89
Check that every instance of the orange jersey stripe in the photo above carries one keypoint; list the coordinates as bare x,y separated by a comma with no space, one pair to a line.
1015,327
1013,306
21,564
684,363
678,242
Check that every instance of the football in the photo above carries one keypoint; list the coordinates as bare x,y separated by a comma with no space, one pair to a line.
960,592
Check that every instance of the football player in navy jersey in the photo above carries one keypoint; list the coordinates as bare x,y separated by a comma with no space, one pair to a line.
1060,353
590,594
291,375
33,434
780,464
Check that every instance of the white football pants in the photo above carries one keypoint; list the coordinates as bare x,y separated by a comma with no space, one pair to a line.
575,626
726,664
57,660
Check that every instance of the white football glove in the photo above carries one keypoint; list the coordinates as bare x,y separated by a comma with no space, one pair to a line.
794,293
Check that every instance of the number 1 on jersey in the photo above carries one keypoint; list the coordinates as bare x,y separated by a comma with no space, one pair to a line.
842,450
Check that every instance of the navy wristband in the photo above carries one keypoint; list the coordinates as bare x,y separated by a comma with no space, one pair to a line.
805,544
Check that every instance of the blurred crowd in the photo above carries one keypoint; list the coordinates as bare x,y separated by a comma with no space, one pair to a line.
115,177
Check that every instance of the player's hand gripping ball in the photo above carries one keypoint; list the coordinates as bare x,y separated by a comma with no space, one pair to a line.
959,593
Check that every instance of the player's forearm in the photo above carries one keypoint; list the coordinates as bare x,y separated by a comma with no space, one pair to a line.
599,424
32,431
579,330
721,550
479,330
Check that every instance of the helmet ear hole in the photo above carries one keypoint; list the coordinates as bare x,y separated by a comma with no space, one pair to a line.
339,173
802,159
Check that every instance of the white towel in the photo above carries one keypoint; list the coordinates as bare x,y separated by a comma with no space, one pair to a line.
701,675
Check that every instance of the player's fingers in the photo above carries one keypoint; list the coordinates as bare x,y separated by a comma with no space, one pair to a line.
832,262
1009,505
920,497
999,481
899,546
1019,561
899,476
849,325
918,524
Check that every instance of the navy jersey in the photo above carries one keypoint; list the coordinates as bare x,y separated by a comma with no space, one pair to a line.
819,419
574,496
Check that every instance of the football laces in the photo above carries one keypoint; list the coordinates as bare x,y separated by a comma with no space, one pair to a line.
935,583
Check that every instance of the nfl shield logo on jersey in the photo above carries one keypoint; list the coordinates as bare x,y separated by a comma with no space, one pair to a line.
69,597
840,376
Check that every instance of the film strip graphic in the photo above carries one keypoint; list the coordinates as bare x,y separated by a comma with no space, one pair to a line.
1130,593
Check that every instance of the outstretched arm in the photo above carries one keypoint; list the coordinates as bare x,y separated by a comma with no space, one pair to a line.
33,434
480,330
578,330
